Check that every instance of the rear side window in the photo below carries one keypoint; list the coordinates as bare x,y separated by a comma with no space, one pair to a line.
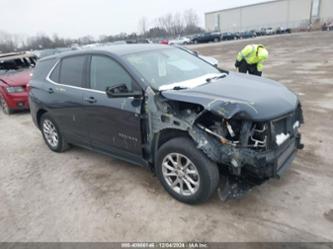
42,68
55,73
72,71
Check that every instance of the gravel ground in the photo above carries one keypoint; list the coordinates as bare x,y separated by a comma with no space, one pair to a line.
83,196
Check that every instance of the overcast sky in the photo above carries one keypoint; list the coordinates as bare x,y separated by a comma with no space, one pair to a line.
74,18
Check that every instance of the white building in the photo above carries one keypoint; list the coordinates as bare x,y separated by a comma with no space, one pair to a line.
278,13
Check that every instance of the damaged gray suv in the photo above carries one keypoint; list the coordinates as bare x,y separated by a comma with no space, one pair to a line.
197,127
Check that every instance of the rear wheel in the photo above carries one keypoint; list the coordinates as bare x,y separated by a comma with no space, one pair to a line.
185,172
195,41
216,39
4,106
51,134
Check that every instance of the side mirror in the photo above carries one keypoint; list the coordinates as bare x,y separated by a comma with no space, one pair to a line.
121,91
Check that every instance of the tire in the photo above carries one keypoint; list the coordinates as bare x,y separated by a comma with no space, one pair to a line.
205,173
4,106
195,42
52,135
216,39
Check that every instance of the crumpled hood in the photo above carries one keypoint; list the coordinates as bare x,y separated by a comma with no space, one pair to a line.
255,97
19,78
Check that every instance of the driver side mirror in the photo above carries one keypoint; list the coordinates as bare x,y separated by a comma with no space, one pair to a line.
121,91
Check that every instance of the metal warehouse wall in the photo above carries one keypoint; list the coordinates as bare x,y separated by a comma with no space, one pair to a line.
326,10
280,13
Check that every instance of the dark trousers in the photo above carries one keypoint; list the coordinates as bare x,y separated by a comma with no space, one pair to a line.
244,67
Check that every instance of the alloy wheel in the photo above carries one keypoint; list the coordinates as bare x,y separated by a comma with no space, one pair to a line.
181,174
4,105
50,133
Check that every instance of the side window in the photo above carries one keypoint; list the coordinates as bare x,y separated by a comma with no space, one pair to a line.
55,74
105,72
72,71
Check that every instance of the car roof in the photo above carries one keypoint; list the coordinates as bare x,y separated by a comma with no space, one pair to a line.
121,49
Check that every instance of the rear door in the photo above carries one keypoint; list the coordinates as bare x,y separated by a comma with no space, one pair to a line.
66,97
114,123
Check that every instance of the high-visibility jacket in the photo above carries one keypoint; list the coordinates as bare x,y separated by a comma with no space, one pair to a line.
254,54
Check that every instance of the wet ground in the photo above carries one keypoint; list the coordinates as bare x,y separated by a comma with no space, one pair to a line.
83,196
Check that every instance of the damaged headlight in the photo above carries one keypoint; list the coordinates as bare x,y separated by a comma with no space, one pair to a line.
235,132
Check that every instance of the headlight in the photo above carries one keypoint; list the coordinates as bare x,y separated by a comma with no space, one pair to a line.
15,89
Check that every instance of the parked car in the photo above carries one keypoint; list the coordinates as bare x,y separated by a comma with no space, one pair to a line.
197,127
210,60
327,26
248,34
140,41
230,36
269,31
282,30
180,41
207,37
164,42
15,73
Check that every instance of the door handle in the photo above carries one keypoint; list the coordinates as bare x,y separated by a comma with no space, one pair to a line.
50,91
90,100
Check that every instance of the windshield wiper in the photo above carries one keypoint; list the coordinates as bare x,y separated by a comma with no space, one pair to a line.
176,88
215,78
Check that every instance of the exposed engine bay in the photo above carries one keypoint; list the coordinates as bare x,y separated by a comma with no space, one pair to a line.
247,152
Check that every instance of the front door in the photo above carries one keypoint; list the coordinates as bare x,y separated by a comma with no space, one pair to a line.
114,123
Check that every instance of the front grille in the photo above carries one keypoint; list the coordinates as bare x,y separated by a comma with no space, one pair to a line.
280,126
263,134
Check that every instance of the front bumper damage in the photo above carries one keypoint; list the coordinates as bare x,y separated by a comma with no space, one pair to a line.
244,168
241,167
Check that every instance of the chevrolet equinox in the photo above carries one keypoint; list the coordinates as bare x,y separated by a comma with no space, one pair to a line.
197,127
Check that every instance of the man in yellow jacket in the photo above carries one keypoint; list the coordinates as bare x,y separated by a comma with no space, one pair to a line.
251,59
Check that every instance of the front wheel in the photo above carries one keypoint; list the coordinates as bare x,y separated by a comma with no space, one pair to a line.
185,172
4,106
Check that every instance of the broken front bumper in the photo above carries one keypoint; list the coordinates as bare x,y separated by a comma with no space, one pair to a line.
258,167
272,163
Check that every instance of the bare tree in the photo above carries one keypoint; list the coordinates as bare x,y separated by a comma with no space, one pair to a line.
166,22
143,26
191,18
177,24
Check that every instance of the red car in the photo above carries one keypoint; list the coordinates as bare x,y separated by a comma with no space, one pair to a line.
15,73
164,42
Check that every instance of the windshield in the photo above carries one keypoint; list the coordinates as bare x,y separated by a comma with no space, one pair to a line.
19,63
171,68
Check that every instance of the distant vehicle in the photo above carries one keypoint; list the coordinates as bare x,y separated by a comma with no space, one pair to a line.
210,60
15,73
139,41
164,42
230,36
207,37
269,31
327,26
248,34
281,30
180,41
